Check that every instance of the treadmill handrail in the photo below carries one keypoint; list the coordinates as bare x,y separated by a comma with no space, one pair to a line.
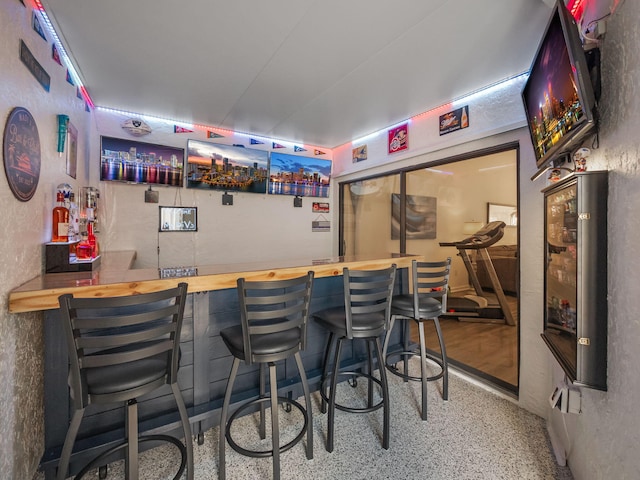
491,233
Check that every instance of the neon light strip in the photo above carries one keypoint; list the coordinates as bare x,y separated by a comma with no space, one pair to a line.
63,54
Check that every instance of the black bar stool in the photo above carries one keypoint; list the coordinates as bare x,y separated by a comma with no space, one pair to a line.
121,348
274,316
427,302
365,315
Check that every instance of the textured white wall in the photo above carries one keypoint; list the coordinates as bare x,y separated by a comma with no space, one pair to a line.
603,441
26,226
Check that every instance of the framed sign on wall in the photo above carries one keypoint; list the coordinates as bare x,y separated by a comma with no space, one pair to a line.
21,153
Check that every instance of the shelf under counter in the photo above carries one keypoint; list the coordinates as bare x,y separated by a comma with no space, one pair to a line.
115,277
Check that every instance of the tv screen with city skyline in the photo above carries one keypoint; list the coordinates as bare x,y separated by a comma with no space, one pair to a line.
558,95
226,167
300,176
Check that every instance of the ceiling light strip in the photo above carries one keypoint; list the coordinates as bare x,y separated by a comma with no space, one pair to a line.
63,53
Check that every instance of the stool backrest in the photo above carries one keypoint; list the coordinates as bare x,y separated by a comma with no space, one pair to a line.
274,306
368,292
115,331
431,280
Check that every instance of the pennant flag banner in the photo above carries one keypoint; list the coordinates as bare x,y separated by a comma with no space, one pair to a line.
178,129
299,149
277,145
38,27
318,152
214,135
55,54
256,142
78,93
69,79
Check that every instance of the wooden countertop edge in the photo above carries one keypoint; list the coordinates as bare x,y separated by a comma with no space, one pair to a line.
47,299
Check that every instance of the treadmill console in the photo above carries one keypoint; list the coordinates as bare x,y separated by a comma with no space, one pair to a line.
485,237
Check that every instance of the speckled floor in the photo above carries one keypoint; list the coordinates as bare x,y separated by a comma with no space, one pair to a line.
475,435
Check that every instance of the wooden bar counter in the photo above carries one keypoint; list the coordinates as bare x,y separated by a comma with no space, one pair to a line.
212,305
115,277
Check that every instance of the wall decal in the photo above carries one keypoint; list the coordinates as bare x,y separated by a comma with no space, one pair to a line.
136,127
398,138
454,120
34,66
359,154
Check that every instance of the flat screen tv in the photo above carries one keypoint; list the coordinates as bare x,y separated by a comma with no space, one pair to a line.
130,161
299,176
226,167
558,96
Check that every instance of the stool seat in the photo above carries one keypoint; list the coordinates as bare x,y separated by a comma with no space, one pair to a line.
363,325
427,307
121,348
273,326
267,344
365,315
106,380
427,301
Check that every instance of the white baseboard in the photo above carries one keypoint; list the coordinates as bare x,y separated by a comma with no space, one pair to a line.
557,445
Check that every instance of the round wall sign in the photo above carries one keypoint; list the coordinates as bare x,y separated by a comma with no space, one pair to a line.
21,153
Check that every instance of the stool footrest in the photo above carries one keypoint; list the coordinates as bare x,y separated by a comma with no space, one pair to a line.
141,439
393,369
266,453
344,408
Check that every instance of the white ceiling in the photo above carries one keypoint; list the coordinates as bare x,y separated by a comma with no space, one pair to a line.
322,72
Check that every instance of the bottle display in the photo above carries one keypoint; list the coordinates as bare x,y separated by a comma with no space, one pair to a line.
74,219
60,220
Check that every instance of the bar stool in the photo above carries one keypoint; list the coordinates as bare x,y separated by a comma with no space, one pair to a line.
274,316
365,315
427,302
121,348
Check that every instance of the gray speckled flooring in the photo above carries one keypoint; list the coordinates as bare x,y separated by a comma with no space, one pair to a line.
475,435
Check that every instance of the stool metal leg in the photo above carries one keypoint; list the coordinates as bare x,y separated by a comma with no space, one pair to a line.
405,345
325,368
275,427
445,363
385,396
188,440
370,372
223,419
423,368
65,457
307,400
263,392
131,453
387,337
332,395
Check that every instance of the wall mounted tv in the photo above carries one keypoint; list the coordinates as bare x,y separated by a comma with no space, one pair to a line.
226,167
124,160
300,176
558,95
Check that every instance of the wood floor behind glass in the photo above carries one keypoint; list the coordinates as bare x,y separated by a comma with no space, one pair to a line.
486,347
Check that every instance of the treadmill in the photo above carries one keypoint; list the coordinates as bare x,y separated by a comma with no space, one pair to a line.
481,307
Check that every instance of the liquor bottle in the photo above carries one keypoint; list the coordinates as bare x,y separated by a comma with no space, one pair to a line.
60,220
91,238
465,118
74,219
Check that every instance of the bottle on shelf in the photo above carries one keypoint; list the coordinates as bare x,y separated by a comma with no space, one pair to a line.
74,219
60,220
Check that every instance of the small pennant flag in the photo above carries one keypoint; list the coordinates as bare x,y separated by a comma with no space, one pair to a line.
318,152
78,93
299,149
55,54
179,129
211,134
38,27
256,142
277,145
69,79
